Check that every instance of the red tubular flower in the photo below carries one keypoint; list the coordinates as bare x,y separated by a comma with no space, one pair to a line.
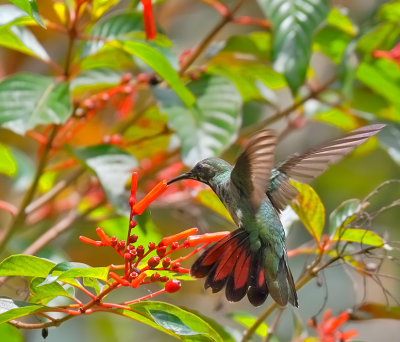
90,241
136,282
205,238
148,18
166,241
327,329
105,239
139,207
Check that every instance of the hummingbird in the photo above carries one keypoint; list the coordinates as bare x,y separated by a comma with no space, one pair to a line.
252,259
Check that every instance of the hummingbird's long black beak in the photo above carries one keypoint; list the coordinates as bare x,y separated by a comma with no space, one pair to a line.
187,175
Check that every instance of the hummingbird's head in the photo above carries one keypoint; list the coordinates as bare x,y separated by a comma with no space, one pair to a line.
205,171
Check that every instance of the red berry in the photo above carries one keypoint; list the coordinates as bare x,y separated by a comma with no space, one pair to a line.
173,285
153,262
126,78
140,251
114,241
176,265
133,238
164,279
121,244
133,275
166,262
152,245
161,251
155,277
130,247
127,256
175,245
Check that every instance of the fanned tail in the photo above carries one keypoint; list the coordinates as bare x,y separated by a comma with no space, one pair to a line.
231,263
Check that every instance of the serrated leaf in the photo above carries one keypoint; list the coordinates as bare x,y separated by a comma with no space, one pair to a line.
210,200
309,208
210,126
343,214
159,64
27,100
248,320
25,265
8,166
294,23
113,166
44,293
173,320
362,236
12,309
114,27
31,8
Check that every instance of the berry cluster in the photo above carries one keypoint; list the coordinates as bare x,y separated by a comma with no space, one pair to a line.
140,267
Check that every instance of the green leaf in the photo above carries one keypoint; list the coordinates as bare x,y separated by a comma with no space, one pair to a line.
12,15
210,200
99,7
31,8
381,37
341,118
22,39
27,100
389,139
382,76
8,166
45,293
211,125
113,166
332,42
309,208
12,309
173,320
248,320
67,270
10,333
114,27
25,265
294,24
345,213
159,64
95,79
362,236
338,18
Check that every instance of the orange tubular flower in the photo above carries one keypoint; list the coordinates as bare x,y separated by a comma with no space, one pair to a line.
205,238
327,329
166,241
148,19
139,207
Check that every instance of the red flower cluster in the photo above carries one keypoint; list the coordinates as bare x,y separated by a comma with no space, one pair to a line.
139,267
327,328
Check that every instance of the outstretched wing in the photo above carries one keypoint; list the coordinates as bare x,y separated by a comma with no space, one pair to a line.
252,170
306,166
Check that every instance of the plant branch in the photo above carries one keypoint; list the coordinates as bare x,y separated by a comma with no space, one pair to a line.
53,192
20,217
208,39
285,112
